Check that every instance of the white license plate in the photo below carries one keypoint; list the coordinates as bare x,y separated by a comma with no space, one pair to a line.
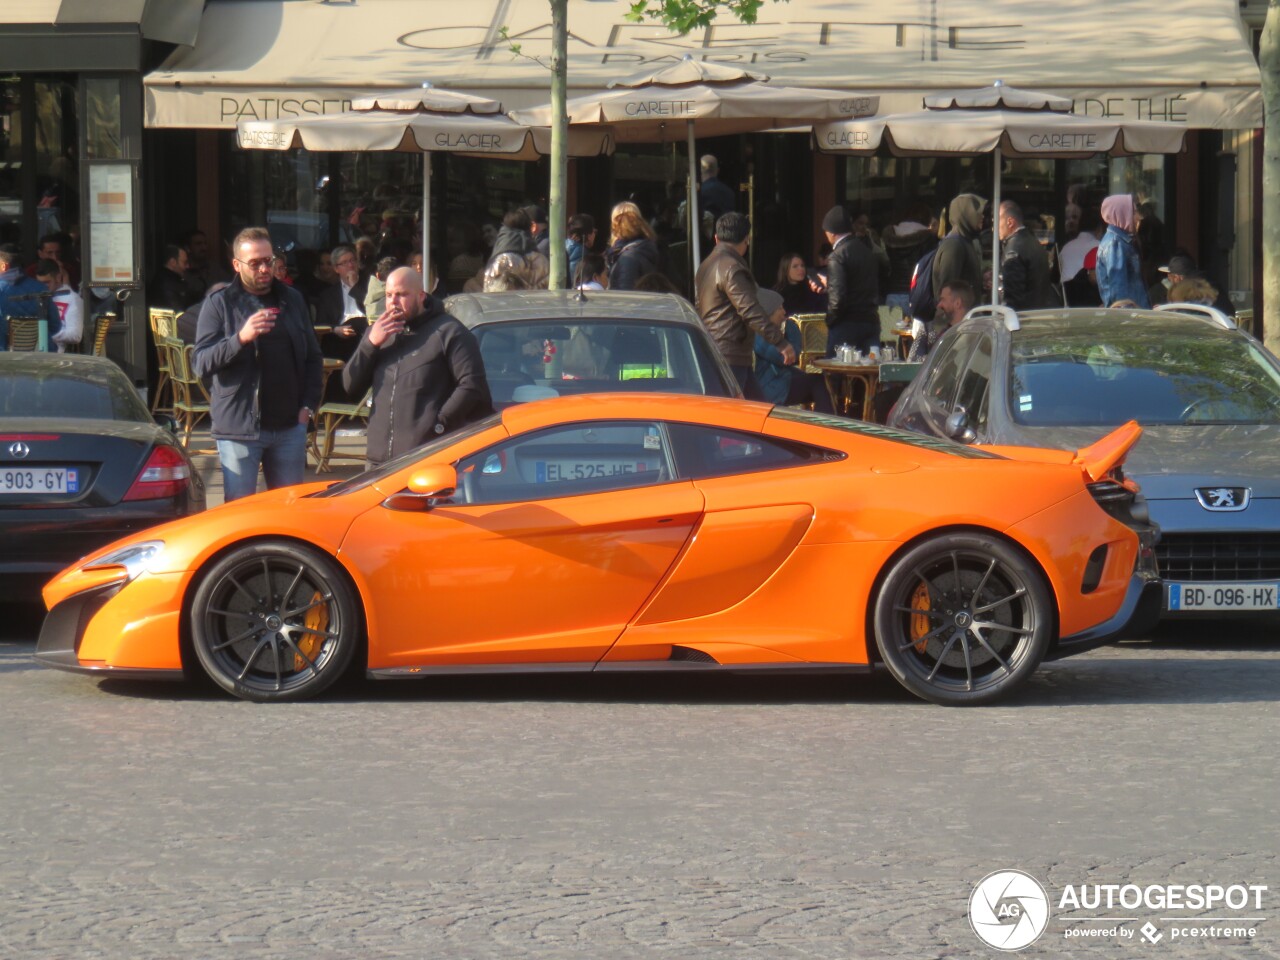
554,471
1222,596
40,480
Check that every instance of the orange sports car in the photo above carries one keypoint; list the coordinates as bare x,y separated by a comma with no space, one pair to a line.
633,532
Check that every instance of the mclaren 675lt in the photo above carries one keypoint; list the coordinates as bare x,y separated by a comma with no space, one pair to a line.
634,533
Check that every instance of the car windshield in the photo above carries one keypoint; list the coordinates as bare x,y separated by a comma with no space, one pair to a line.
58,395
536,359
1152,376
362,480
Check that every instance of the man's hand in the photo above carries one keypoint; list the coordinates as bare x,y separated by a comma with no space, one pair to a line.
345,329
817,282
385,327
258,324
304,415
788,354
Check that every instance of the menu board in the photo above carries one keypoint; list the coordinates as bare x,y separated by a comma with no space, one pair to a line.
111,223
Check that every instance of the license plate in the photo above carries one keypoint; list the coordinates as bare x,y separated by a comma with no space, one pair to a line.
554,471
1222,596
40,480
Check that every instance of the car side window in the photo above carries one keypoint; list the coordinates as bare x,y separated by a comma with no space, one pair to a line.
976,382
944,379
705,451
568,460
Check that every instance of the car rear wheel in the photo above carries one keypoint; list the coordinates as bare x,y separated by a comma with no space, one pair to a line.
963,618
275,621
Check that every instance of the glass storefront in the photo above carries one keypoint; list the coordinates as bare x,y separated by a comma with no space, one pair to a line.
39,169
890,189
313,201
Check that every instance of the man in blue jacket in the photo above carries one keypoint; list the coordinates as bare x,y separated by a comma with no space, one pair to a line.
256,348
19,293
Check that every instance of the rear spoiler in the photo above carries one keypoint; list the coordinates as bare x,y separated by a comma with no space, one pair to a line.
1100,458
1096,460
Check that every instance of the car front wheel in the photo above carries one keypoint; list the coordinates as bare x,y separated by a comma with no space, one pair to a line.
275,621
963,618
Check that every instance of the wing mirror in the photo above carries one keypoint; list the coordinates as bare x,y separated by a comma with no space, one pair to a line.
957,427
427,487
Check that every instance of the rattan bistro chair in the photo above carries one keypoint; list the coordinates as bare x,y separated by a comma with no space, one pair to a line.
24,333
101,327
164,323
813,338
190,400
329,418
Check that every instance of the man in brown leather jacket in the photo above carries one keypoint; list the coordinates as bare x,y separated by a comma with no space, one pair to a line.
729,305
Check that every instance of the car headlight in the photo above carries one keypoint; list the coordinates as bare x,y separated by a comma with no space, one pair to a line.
135,558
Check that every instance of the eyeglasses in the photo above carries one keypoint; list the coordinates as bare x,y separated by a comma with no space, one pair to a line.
263,263
344,262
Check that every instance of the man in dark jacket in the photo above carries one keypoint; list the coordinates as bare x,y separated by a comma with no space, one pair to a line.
424,367
256,348
340,307
958,257
853,286
169,288
1024,265
728,303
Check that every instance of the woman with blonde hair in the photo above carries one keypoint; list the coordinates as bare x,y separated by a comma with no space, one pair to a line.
633,248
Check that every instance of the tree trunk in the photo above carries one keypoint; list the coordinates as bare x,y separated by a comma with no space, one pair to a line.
1269,61
558,216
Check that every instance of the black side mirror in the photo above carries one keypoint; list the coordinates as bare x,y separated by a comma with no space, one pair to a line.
957,427
167,421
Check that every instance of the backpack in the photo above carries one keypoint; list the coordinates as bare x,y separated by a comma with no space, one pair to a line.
921,303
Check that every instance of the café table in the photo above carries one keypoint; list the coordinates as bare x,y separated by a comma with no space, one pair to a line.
843,381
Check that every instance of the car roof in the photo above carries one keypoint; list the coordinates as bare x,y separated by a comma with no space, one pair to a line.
515,306
1086,321
728,412
77,366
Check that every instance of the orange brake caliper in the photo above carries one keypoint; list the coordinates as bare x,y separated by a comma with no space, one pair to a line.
316,618
920,622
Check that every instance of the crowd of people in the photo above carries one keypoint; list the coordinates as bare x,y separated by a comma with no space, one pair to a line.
374,308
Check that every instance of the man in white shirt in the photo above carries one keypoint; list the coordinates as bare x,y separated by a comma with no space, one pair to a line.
1071,256
67,307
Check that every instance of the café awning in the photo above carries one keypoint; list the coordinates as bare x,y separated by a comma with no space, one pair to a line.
108,35
1188,61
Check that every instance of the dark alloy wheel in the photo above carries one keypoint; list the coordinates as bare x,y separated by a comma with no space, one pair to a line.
963,618
275,621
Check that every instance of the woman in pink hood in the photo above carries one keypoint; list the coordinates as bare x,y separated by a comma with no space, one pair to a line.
1119,266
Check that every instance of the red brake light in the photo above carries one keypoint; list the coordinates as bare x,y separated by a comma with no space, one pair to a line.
165,474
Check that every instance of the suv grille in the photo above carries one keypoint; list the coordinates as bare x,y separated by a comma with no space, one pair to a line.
1211,556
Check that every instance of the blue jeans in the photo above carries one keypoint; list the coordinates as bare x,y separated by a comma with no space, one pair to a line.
282,454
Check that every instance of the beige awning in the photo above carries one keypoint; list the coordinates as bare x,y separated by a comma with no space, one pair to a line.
171,21
1182,60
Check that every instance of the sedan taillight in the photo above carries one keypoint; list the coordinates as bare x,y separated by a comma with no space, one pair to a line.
165,474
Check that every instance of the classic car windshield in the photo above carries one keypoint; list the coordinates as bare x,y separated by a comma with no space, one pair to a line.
1153,376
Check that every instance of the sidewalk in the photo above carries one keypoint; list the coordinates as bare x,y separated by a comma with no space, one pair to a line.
204,456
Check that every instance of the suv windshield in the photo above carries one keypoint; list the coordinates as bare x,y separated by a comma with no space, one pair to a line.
1152,376
536,359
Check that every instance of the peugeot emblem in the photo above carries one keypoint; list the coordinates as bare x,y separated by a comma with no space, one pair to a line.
18,449
1223,499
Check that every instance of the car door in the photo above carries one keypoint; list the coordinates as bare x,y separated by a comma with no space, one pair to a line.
973,393
553,541
935,399
756,513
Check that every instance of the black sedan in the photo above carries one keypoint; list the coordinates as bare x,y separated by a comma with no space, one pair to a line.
82,463
1206,393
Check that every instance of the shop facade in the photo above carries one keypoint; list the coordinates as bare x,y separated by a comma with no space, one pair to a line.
71,132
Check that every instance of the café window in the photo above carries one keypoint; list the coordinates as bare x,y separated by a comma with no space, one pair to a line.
39,172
